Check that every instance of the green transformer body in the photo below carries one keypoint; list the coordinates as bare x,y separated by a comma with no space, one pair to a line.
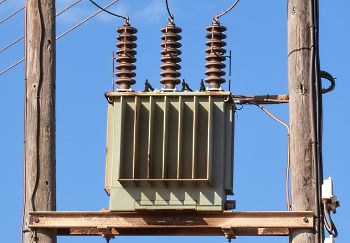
169,150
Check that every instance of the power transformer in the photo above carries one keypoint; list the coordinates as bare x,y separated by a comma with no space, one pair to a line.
169,150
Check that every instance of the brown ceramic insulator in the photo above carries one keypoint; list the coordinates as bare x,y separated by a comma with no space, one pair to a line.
216,55
126,56
170,57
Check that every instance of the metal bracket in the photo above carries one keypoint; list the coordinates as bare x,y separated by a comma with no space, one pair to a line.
229,233
106,232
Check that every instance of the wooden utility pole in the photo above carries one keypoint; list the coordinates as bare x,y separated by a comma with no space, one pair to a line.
40,125
303,185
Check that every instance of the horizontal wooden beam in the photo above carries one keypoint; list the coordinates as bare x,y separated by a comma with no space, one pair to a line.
260,99
229,224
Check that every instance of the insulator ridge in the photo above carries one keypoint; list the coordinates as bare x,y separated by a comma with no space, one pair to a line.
216,55
171,53
126,56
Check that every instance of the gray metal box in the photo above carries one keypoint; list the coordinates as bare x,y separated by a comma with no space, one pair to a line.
169,150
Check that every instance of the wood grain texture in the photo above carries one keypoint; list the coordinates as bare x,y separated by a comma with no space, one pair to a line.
40,128
300,80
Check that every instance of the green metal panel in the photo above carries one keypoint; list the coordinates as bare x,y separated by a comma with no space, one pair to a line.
169,150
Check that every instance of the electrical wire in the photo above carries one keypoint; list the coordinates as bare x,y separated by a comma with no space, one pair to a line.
273,117
22,37
11,15
314,132
37,137
330,78
328,222
227,10
316,108
320,122
37,97
69,7
287,182
168,9
25,135
24,206
86,19
104,9
1,2
63,34
38,108
11,44
12,66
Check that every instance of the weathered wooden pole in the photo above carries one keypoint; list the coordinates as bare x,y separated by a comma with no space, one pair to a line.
300,77
40,120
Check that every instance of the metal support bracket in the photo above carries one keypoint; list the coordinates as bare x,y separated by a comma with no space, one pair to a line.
106,232
229,233
230,224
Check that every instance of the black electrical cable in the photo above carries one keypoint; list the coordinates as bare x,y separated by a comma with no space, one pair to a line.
330,78
168,9
105,10
316,108
330,226
319,75
227,10
38,112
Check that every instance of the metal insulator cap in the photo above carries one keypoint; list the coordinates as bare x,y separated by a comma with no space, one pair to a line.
171,55
126,56
216,55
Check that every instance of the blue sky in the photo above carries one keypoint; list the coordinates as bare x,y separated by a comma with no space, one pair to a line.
257,36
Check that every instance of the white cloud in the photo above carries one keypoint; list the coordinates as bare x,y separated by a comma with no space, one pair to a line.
154,12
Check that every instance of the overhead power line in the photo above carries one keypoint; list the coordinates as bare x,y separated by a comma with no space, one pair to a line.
65,33
11,44
116,15
86,19
1,2
22,37
11,15
69,7
12,66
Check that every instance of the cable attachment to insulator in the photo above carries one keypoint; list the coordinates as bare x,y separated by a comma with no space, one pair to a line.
216,56
171,53
126,56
